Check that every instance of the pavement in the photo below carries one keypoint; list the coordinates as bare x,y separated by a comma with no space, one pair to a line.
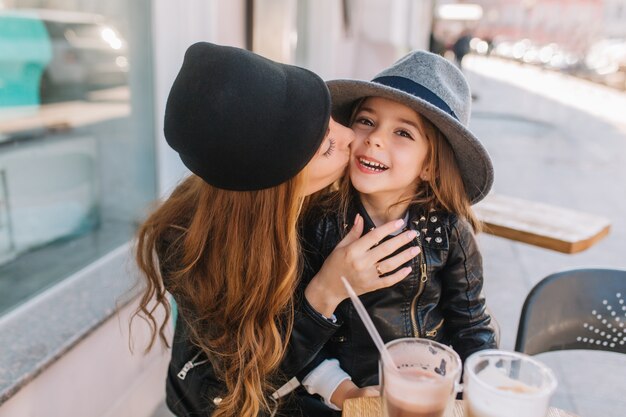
558,140
562,141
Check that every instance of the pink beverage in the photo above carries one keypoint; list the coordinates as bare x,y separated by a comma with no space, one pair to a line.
415,392
421,380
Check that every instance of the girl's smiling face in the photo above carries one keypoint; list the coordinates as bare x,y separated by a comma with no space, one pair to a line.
389,151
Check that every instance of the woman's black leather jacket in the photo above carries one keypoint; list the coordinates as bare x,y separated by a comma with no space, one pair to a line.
441,299
194,389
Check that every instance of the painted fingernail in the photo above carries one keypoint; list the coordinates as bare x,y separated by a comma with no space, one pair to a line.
411,235
407,270
399,223
415,250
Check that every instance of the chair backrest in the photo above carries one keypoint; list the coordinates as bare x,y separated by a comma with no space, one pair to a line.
578,309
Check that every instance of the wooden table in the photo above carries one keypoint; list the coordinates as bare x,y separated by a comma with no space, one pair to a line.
371,407
540,224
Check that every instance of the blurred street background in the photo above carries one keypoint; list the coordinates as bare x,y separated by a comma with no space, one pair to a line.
552,141
83,85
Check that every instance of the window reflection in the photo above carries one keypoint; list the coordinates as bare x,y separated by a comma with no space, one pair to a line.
76,164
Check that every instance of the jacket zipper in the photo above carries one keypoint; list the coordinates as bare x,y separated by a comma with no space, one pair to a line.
433,332
182,374
422,283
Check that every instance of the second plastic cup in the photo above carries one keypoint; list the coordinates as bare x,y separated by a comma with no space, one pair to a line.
424,384
499,383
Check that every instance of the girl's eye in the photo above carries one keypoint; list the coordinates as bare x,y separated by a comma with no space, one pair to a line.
364,121
331,147
404,134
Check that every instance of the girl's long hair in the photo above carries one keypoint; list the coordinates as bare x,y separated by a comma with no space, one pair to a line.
230,259
444,190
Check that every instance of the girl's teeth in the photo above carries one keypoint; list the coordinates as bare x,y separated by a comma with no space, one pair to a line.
374,166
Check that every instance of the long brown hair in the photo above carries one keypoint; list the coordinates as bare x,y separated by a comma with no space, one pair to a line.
444,189
230,259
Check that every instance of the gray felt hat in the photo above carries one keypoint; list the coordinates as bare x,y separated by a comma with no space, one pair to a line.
436,89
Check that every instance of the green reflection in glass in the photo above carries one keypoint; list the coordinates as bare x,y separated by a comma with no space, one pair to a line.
25,51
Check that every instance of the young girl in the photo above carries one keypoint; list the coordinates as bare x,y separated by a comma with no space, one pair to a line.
413,158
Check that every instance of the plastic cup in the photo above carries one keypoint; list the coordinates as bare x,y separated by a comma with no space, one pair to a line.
499,383
424,383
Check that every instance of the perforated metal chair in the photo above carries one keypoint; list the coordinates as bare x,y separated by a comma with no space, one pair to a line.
578,309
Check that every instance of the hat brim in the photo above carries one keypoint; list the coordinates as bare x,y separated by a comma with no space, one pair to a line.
472,157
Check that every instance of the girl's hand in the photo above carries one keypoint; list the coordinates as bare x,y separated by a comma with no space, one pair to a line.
347,389
359,260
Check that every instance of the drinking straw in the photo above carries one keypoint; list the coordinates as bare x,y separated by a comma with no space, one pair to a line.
369,325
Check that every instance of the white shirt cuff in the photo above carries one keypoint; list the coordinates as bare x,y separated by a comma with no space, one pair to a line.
324,380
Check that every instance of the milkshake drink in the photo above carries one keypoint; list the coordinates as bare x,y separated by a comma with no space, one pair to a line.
499,383
416,393
423,384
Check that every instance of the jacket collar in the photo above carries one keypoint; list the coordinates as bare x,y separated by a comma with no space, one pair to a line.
430,225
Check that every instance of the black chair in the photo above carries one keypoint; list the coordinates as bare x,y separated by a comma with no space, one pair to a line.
578,309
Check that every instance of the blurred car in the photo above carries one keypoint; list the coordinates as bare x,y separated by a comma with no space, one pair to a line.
480,46
503,49
605,62
25,52
87,53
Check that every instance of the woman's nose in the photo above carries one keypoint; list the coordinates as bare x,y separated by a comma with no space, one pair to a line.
345,134
350,136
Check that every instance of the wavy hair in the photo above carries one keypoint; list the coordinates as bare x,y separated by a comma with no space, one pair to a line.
230,260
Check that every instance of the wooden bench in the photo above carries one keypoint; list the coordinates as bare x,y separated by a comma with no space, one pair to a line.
539,224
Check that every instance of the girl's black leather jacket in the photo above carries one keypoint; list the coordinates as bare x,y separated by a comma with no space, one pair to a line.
441,299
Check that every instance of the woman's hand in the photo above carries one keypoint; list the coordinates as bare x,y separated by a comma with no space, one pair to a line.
359,260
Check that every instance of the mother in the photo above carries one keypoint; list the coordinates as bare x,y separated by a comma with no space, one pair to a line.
258,138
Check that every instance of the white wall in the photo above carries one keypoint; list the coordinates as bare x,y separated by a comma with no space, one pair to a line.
380,32
177,25
275,29
98,377
614,18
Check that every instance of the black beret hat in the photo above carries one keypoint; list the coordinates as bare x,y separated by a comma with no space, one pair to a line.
243,122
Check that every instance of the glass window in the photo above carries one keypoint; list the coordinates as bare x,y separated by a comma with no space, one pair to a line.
76,136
